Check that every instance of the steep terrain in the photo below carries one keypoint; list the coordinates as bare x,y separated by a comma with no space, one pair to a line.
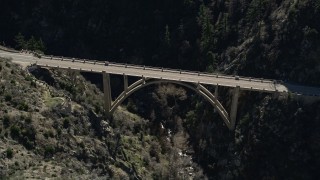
179,134
53,127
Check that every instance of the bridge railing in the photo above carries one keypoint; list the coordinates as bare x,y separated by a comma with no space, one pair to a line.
178,71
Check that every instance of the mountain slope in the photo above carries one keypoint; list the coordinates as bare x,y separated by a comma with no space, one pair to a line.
53,127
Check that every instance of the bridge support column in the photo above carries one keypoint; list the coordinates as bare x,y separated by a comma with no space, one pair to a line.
234,107
276,95
125,82
106,91
216,94
216,89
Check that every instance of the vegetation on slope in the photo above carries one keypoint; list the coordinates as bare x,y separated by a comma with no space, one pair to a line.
270,39
53,127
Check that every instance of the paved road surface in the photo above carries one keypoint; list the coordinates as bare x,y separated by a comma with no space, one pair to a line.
245,83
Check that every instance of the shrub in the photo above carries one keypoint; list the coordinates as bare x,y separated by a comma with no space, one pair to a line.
15,131
30,133
9,153
82,145
49,150
6,121
28,78
23,107
27,143
8,64
66,123
8,97
48,134
28,120
59,131
33,84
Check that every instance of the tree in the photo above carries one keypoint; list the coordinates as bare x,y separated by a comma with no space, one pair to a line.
31,44
39,45
21,43
167,36
207,31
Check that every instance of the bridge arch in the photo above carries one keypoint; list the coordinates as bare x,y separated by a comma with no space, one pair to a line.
197,87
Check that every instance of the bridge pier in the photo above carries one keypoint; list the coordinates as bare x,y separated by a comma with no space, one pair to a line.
216,94
125,82
276,95
216,89
234,107
107,92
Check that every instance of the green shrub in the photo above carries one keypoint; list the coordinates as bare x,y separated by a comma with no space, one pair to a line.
15,131
28,120
82,145
33,84
28,78
27,143
66,123
8,97
6,121
48,134
9,153
59,131
23,106
29,132
49,150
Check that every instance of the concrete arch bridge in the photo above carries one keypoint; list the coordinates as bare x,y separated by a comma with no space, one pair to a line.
153,75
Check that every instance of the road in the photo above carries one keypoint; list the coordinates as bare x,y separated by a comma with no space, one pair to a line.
245,83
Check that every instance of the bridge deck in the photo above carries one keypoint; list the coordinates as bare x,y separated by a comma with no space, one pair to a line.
159,73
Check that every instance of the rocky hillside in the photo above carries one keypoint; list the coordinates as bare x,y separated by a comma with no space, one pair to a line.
51,126
169,132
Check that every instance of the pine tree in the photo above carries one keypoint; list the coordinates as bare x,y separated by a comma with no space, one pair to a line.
167,36
40,46
21,43
32,43
207,31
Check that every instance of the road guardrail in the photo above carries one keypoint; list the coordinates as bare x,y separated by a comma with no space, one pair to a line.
178,71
